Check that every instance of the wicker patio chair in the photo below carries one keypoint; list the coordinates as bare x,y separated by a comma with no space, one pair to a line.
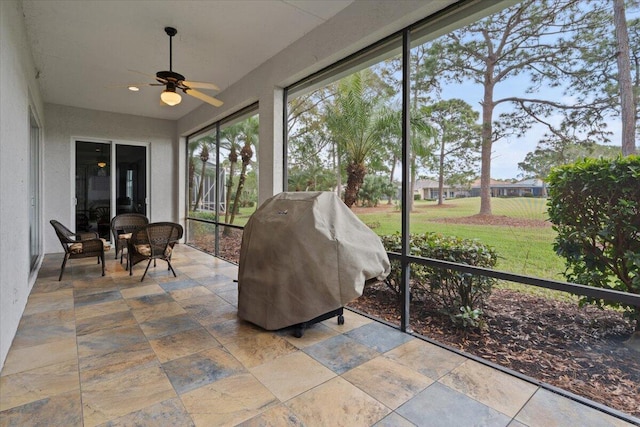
152,242
79,245
121,228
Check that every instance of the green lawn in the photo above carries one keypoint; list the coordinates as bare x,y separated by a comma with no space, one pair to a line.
521,250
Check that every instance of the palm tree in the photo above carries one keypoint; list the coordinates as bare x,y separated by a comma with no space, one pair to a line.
249,133
192,146
357,125
230,139
204,144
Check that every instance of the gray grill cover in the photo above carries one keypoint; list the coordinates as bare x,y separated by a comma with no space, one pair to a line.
303,255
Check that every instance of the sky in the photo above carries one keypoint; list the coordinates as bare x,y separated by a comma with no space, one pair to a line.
507,153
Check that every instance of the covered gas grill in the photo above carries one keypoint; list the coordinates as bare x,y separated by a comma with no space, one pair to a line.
304,256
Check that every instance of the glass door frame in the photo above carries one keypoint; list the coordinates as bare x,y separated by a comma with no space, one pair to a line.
112,174
35,191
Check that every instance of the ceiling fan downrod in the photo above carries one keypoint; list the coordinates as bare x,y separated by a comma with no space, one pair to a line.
170,32
165,76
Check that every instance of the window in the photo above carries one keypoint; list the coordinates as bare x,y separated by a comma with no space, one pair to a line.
465,186
222,183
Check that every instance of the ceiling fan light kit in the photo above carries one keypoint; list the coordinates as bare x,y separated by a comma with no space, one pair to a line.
172,81
170,98
169,95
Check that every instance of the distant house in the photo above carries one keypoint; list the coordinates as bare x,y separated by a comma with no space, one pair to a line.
428,189
207,199
528,187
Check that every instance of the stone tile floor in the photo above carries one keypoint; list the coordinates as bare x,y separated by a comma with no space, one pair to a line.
112,351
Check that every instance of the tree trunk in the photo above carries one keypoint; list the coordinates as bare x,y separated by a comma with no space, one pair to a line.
441,173
233,159
393,171
246,153
413,138
487,142
338,165
236,200
192,174
200,187
355,173
412,182
627,104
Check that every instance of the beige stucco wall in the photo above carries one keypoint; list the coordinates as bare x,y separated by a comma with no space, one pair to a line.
18,92
66,124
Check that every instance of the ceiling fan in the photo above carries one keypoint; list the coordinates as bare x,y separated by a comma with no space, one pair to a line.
173,81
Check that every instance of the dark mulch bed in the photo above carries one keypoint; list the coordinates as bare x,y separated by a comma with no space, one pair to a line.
577,349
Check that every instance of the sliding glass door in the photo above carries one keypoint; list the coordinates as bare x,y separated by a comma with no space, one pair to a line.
110,179
131,179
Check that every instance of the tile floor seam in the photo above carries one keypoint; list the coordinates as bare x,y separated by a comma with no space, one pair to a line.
75,326
515,417
368,394
475,400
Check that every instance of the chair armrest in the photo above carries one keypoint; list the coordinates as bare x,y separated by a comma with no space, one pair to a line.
92,245
88,235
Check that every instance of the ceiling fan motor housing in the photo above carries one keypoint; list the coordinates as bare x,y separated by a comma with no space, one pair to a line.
169,76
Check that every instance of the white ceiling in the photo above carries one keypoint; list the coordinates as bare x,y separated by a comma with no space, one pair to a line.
85,50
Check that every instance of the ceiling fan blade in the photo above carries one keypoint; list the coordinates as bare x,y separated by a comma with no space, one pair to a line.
201,85
206,98
152,77
141,73
136,84
130,85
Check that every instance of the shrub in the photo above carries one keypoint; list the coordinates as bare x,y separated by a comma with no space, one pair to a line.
373,189
417,197
458,295
208,215
594,205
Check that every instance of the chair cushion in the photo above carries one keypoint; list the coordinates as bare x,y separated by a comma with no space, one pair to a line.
75,248
106,245
144,250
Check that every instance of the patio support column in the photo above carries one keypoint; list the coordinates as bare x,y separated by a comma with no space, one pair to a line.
271,144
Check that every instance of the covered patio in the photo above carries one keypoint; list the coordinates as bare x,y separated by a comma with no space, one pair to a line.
111,350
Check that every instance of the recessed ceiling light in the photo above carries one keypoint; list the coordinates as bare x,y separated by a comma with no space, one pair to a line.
134,88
